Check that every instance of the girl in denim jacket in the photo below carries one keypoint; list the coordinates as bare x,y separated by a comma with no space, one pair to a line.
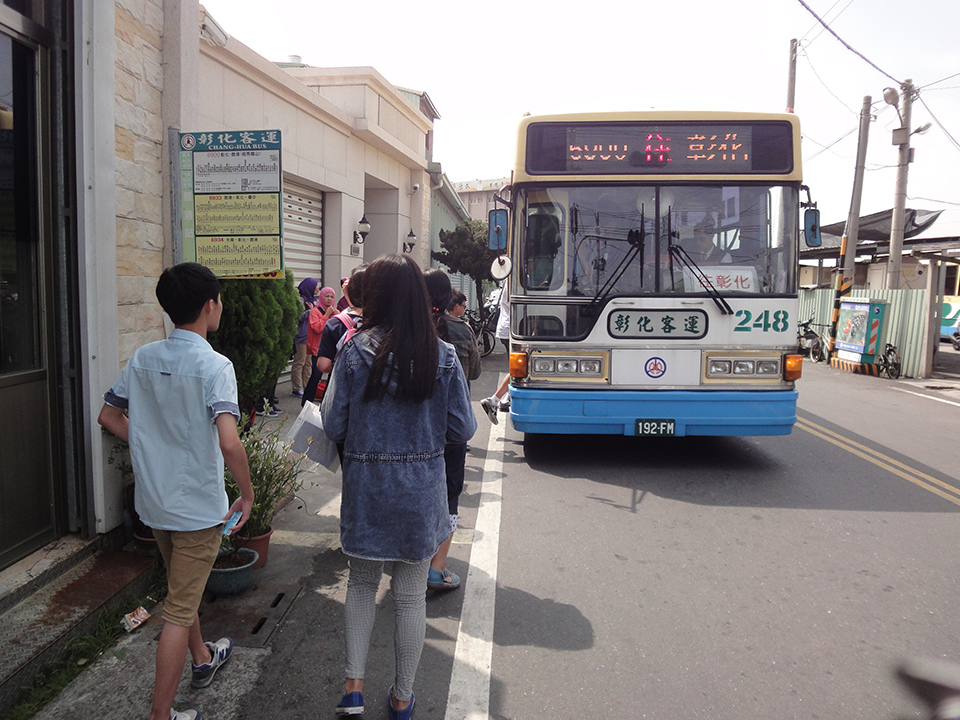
396,398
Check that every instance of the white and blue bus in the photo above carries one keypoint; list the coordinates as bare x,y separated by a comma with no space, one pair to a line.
653,273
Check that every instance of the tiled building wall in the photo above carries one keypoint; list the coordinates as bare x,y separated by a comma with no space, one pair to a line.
139,171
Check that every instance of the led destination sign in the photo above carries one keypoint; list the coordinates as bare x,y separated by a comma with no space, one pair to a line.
663,148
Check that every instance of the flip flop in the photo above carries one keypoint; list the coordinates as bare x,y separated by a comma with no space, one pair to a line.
442,580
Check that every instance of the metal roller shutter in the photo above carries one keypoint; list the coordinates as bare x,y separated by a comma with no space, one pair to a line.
302,236
302,231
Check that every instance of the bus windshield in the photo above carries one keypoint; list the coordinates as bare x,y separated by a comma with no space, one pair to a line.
599,241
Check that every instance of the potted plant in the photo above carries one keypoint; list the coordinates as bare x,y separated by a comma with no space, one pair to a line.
231,572
275,474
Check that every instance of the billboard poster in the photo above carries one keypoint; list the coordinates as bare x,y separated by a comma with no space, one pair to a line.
231,218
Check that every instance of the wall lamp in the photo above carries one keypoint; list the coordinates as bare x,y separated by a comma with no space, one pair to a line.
410,242
363,229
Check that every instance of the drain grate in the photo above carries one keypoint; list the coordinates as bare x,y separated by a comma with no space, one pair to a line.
249,618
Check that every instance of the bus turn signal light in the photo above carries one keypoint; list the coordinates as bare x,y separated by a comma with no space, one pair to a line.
792,367
518,365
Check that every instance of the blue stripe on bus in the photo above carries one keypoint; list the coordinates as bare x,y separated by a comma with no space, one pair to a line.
696,412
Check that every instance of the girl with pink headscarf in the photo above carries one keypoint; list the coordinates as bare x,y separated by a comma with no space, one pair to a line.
300,372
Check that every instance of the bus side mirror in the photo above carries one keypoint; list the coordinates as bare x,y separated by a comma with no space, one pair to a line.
498,229
811,227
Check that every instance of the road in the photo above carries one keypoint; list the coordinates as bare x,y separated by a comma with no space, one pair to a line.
731,578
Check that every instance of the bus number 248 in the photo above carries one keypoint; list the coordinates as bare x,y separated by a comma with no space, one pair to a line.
764,321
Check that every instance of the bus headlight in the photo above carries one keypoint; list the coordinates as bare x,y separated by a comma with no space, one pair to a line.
567,366
719,367
591,366
731,367
542,366
768,367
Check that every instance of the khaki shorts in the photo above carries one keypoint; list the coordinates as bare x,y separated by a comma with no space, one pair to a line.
188,557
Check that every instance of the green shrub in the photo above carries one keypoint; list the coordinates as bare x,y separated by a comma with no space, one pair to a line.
256,331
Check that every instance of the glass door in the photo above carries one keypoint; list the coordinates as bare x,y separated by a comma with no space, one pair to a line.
27,507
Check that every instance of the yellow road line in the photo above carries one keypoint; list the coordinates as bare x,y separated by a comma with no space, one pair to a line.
927,482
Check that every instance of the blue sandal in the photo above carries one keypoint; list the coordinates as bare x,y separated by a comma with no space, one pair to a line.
442,580
350,704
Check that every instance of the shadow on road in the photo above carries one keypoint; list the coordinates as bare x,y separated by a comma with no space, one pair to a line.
795,471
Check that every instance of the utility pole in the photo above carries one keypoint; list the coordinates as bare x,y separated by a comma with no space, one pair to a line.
792,77
851,231
901,138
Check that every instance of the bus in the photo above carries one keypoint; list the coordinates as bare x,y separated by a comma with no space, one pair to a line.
651,260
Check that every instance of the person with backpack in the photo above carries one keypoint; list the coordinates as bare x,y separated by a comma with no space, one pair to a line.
336,331
457,333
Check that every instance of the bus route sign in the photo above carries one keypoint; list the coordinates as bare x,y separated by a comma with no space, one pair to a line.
658,324
231,216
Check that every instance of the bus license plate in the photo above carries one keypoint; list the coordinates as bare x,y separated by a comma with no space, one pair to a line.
656,427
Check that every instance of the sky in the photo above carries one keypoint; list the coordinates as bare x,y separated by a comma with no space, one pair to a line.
484,65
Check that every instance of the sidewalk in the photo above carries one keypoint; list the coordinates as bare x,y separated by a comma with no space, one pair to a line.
287,628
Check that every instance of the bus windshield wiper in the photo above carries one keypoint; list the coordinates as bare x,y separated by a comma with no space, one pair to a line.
687,261
635,238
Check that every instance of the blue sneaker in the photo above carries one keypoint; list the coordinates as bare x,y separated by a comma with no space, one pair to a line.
203,674
350,704
405,714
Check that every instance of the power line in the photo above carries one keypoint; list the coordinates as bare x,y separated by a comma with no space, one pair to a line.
847,45
943,202
824,148
950,137
936,82
806,55
810,42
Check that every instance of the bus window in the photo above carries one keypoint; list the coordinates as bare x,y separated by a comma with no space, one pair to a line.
540,252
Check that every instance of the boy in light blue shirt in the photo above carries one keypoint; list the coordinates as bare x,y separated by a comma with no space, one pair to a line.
175,403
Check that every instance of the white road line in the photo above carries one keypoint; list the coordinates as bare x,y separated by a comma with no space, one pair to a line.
469,697
928,397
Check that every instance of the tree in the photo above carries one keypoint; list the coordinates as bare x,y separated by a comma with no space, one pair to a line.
256,331
466,251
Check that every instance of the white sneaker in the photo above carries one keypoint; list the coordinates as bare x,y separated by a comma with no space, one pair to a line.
203,674
184,715
490,406
505,404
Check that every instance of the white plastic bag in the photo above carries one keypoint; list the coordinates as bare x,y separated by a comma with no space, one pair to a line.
308,436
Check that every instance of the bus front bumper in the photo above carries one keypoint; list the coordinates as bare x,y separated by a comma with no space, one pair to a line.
653,412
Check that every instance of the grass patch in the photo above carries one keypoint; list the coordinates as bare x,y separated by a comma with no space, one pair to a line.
82,651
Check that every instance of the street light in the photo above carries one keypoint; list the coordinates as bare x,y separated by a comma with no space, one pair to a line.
410,242
363,229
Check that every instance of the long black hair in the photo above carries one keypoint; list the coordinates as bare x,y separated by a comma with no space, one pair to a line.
439,292
395,307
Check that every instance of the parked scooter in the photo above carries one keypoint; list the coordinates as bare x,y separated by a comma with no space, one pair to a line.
955,339
806,336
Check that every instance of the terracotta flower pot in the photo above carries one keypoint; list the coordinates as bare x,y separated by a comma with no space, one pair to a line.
260,543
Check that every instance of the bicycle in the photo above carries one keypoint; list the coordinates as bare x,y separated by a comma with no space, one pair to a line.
815,342
889,362
486,337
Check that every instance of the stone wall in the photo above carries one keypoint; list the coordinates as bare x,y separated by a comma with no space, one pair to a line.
139,171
